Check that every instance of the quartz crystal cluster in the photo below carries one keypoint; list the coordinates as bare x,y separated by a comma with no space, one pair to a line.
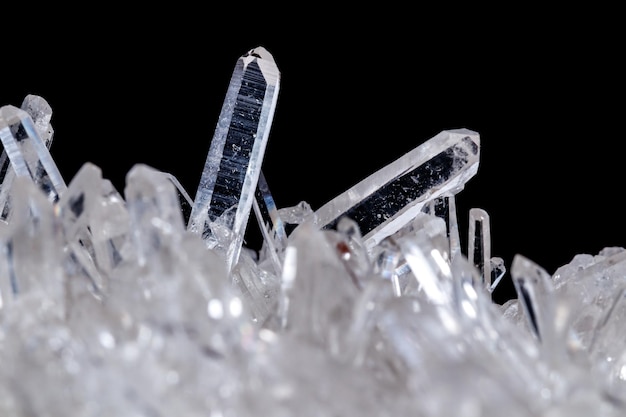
145,302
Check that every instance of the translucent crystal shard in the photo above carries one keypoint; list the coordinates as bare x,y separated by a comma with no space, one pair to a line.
542,309
270,223
479,244
318,291
74,210
498,269
233,165
426,253
445,207
268,214
390,198
28,153
154,210
41,113
31,249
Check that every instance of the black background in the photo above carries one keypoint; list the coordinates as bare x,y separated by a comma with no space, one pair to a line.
543,88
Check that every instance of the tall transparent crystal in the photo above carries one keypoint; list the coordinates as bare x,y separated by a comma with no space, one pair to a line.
225,194
390,198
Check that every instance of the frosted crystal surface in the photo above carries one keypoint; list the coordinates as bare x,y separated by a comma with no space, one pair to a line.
121,304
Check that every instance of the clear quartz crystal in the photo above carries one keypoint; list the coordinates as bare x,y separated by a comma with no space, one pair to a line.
479,244
41,113
498,269
116,304
233,165
154,210
27,152
445,207
390,198
270,223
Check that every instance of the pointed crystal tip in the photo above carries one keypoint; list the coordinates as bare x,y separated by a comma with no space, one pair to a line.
259,52
266,63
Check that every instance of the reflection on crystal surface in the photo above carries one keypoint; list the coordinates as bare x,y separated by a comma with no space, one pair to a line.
111,304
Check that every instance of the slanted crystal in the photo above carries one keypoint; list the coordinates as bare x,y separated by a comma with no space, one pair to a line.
270,223
233,164
41,113
185,201
390,198
397,329
28,153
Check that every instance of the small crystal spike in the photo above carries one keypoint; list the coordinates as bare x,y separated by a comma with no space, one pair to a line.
233,164
33,230
28,153
445,207
390,198
479,244
498,269
271,225
535,291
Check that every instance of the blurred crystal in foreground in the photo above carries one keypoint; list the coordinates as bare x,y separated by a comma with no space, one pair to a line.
111,304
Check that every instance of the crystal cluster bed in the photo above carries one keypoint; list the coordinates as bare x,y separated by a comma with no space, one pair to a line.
146,302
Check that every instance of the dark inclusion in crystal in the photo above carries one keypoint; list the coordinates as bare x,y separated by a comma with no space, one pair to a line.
239,143
391,198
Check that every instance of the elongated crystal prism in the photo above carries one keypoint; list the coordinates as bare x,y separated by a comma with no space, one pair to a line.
534,288
479,244
271,225
233,164
28,153
445,207
390,198
41,113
